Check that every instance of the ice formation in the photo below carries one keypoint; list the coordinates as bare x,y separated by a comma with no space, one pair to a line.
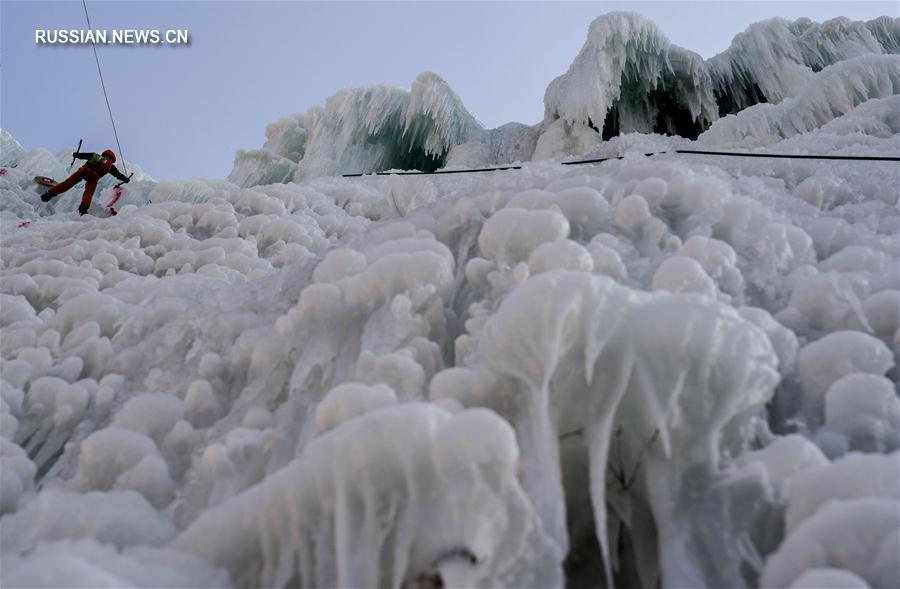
774,59
660,371
581,366
361,130
10,149
409,495
826,95
842,517
629,78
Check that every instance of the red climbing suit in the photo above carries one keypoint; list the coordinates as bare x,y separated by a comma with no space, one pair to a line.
97,166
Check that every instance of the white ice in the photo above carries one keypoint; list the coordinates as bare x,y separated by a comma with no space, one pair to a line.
661,371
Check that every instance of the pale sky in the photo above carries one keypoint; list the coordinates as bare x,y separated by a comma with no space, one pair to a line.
184,111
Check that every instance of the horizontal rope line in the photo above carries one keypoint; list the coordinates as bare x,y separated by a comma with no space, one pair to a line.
414,172
870,158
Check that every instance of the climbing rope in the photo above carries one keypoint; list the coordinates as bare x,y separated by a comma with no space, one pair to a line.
793,156
103,85
686,151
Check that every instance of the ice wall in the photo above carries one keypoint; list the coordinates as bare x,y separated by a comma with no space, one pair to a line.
654,369
826,95
362,130
629,78
513,142
591,363
659,371
10,150
406,495
774,59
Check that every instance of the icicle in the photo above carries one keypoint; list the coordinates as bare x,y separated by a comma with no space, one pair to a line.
598,438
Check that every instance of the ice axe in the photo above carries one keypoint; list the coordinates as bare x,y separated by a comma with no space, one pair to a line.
124,181
77,149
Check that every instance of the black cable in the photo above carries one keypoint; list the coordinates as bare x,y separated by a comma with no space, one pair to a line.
413,172
733,154
872,158
103,84
606,159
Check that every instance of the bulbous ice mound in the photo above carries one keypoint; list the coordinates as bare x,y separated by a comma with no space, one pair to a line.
773,59
401,496
365,129
628,77
570,352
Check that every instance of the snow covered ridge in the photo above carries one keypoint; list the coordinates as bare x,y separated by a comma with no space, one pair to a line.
627,78
662,371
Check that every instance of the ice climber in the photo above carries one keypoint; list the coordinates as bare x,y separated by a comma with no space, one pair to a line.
97,166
